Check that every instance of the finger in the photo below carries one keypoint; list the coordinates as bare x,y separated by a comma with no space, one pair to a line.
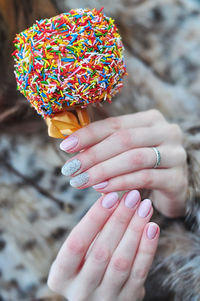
108,239
161,179
119,142
99,130
123,257
126,163
75,247
144,258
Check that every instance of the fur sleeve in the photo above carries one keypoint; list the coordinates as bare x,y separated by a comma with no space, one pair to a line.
192,146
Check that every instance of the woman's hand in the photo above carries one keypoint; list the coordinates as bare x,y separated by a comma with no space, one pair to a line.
116,154
107,256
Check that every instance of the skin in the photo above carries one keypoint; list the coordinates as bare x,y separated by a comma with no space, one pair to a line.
119,150
91,266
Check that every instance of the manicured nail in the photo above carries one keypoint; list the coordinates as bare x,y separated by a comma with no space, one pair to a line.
69,143
110,200
100,185
79,180
152,231
144,208
71,167
132,198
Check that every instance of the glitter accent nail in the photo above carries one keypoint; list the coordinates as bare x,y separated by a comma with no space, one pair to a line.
71,167
79,180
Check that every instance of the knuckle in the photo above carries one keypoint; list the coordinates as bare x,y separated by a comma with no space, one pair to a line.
75,246
88,130
138,158
176,131
100,254
99,172
182,155
156,115
91,154
120,182
121,264
146,178
123,138
114,123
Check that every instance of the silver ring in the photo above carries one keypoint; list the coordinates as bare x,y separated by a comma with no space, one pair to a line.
158,157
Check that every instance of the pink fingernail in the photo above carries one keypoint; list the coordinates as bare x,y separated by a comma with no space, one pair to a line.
152,231
100,185
69,143
144,208
110,200
132,198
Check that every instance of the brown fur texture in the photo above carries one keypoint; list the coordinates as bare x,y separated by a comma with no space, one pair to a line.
16,16
38,208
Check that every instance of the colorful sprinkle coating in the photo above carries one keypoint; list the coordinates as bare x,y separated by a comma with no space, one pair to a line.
75,58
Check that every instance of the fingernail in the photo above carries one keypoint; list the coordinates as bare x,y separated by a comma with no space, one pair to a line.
100,185
71,167
69,143
132,198
110,200
152,231
79,180
144,208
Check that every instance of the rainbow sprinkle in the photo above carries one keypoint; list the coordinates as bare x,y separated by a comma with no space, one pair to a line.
75,58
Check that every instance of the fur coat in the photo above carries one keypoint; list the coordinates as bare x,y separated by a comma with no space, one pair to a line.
38,208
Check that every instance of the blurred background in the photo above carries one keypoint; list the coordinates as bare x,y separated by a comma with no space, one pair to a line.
38,208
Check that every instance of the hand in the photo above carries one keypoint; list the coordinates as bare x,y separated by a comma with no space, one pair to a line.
107,256
117,154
